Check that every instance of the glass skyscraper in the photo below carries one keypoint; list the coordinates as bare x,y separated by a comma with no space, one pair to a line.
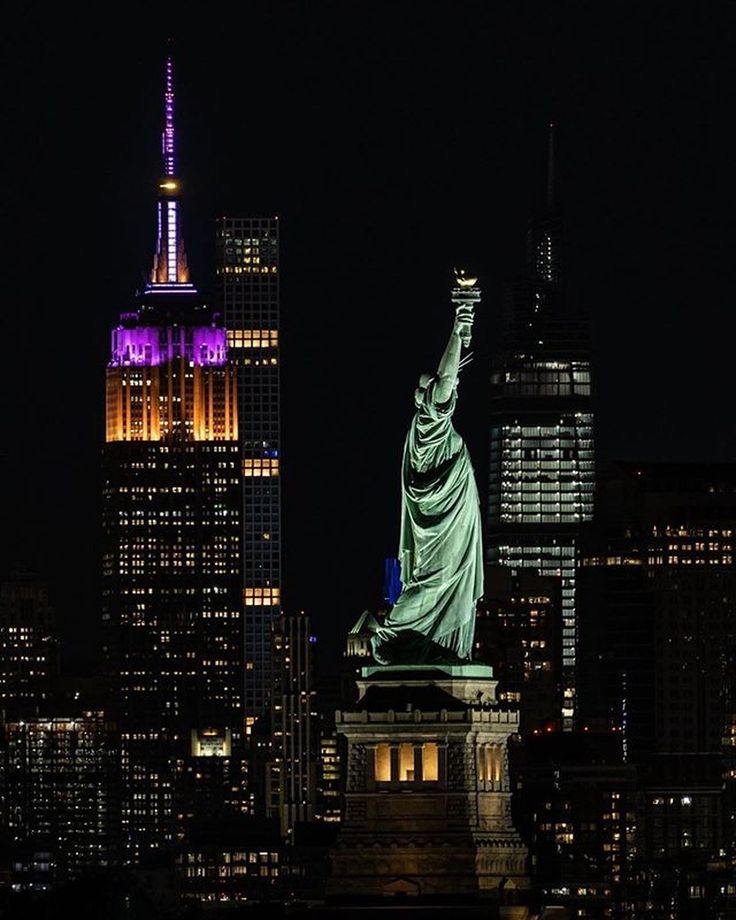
248,275
541,451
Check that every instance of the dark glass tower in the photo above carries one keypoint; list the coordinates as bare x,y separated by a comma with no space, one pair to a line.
248,274
541,463
657,668
294,727
657,595
172,542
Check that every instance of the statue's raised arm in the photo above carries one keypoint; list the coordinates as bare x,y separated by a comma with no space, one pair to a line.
433,620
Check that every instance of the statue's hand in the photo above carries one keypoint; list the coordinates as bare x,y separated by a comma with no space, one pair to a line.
463,326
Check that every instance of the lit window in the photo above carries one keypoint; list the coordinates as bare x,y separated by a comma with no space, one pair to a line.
406,763
261,597
383,763
430,762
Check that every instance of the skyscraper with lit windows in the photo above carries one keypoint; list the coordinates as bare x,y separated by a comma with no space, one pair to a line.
294,725
60,793
248,275
29,647
657,595
541,452
172,540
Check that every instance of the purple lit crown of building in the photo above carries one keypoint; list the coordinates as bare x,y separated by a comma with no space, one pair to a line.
149,346
146,344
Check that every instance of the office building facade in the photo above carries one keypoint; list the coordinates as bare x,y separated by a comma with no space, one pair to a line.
248,291
658,608
657,614
518,632
294,725
577,808
542,475
60,795
29,647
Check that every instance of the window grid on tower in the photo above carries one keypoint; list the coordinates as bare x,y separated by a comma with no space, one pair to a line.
248,271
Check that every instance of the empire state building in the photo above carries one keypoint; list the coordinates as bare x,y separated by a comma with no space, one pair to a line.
172,541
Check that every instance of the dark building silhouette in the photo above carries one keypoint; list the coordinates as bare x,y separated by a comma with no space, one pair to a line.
172,533
294,725
541,450
329,804
657,602
576,810
684,862
248,292
657,590
29,647
518,632
59,795
236,862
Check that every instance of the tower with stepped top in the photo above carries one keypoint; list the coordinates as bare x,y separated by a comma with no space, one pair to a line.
172,610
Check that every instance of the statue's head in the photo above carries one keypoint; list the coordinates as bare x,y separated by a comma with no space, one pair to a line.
424,382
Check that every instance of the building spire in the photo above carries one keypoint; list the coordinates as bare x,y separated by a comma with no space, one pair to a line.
170,270
551,167
167,137
545,235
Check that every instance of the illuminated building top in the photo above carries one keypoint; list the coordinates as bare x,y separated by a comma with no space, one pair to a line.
203,346
168,374
170,274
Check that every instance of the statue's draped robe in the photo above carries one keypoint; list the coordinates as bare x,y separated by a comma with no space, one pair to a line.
441,547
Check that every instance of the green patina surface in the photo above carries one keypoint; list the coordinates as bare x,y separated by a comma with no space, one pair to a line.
441,554
474,671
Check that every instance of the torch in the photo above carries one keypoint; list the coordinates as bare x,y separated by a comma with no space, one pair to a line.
465,294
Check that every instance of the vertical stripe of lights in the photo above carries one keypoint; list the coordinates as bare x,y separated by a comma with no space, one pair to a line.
168,135
171,239
159,220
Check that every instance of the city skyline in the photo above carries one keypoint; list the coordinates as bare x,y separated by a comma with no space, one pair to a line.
238,247
379,193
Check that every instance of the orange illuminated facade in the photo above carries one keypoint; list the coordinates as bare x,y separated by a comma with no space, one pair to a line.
172,545
153,403
172,597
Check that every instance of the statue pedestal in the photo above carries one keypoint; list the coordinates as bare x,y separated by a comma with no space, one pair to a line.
427,810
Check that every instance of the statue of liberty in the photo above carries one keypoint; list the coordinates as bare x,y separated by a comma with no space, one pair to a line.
441,555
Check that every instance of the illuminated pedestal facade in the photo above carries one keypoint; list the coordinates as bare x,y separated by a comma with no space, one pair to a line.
427,810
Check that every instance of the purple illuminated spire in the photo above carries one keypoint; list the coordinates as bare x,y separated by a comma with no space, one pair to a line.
167,138
170,269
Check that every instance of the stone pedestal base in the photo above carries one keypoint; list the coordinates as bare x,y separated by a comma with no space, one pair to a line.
428,800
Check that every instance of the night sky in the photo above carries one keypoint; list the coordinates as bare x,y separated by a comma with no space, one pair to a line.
394,140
